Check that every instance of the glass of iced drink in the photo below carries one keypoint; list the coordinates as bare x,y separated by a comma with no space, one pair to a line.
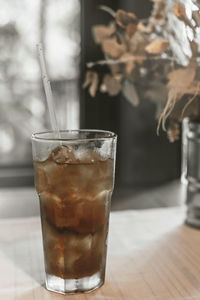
74,177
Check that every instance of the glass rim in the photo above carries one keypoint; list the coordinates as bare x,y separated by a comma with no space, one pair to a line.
108,135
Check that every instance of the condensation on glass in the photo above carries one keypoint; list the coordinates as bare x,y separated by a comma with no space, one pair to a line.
74,179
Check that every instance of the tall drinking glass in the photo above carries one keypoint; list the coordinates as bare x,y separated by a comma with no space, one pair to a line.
74,178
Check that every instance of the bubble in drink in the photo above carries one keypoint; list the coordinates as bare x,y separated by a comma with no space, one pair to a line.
74,189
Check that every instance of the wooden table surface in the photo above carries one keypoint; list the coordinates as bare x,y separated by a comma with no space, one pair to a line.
152,256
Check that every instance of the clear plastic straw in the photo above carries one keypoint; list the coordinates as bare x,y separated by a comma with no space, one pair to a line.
48,92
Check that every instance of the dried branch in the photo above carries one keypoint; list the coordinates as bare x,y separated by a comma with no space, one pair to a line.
191,100
114,61
137,58
137,54
172,97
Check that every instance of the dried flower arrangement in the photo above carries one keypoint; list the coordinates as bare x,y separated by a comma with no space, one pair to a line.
142,63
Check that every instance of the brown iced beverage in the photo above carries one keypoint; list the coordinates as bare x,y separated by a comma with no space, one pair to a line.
74,190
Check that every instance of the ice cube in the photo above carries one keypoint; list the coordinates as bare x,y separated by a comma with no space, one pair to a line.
59,213
52,172
87,156
77,246
98,241
84,216
63,155
90,261
72,255
80,242
53,249
61,179
40,177
86,175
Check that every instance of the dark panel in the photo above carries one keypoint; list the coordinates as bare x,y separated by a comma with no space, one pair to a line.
145,158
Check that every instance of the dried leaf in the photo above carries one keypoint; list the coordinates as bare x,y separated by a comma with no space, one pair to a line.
123,18
196,17
111,85
140,59
130,92
179,11
157,46
187,106
158,12
87,81
91,81
190,101
131,29
112,48
146,29
137,43
193,109
173,132
101,32
197,4
194,49
192,88
182,78
103,88
94,86
130,64
171,101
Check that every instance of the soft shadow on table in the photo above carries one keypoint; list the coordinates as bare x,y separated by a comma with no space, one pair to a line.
18,202
165,195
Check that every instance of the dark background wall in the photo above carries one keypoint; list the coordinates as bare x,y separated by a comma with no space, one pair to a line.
143,158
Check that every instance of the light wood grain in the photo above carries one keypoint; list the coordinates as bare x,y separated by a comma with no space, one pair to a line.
152,256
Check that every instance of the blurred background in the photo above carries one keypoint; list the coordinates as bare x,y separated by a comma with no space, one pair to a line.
22,103
144,160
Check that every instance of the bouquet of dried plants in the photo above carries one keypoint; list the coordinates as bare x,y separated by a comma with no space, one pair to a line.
146,60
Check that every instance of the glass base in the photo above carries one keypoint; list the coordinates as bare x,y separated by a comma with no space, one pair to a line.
193,217
192,193
74,286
